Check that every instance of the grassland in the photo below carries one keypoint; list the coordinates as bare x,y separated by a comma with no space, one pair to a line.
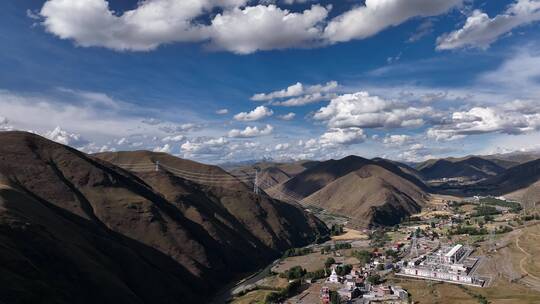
350,234
252,297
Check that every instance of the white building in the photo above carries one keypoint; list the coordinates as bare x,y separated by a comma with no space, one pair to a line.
444,265
437,274
455,254
334,278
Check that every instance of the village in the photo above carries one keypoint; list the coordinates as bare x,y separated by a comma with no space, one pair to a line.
447,243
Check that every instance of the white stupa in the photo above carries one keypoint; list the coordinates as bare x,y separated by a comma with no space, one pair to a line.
334,278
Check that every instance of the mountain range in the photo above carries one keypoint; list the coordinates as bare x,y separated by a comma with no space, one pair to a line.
378,191
370,192
75,228
147,227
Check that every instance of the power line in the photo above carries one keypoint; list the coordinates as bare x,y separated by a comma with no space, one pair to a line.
214,178
191,174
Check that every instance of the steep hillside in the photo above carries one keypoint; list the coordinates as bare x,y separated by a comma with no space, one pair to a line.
203,200
49,255
403,170
271,174
517,177
194,171
200,234
370,195
521,182
317,177
370,191
469,168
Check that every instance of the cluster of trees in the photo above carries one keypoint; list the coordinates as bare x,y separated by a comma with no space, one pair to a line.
468,230
503,229
317,274
329,262
485,210
294,273
342,270
334,297
297,273
282,295
418,232
513,206
392,253
374,279
297,252
363,256
530,217
342,246
378,238
329,248
442,216
336,230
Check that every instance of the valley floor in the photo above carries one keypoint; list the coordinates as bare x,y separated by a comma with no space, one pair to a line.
507,259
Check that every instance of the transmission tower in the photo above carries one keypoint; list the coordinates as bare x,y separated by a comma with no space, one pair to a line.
492,243
414,245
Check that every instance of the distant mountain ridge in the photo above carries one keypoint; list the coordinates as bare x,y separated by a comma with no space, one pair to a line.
472,168
271,174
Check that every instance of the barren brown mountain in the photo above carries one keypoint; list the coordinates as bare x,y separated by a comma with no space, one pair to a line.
66,213
371,192
370,196
271,174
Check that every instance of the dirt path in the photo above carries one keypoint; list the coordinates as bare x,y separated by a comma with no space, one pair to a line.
524,259
529,278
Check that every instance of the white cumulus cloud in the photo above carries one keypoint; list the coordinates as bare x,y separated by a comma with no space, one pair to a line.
238,26
365,111
342,136
516,117
164,149
258,113
250,29
251,131
376,15
299,94
396,139
481,31
174,138
288,116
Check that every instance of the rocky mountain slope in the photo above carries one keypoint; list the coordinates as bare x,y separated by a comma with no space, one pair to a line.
371,192
370,195
151,236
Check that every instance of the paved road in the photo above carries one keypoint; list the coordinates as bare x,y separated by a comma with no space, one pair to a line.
227,292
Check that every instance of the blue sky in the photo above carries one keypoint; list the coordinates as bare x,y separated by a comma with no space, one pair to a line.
403,79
